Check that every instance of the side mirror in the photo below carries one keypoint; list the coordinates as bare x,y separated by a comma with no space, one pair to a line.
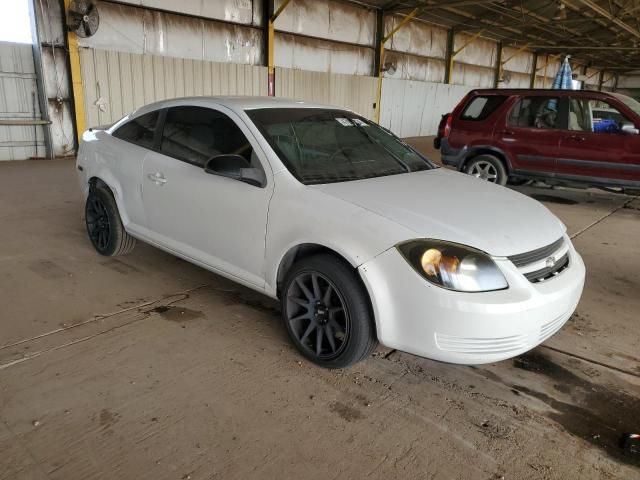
629,129
236,167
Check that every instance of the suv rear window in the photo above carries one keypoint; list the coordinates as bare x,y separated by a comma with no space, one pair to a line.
481,107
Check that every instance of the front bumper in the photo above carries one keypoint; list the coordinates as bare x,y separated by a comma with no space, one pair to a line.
417,317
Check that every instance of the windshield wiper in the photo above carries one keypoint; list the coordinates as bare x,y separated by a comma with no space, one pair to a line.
379,143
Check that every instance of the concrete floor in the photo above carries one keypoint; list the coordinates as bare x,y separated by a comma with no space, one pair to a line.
147,367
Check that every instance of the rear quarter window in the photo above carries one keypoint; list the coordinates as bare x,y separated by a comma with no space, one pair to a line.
479,108
140,130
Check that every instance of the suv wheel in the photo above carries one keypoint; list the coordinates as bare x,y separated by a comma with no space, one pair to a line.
487,167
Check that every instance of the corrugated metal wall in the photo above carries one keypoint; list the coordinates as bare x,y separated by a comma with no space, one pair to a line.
18,101
124,28
145,50
349,91
248,12
629,81
115,83
517,68
417,51
475,65
546,70
411,108
325,36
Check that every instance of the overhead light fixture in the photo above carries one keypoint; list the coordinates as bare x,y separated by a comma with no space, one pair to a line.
561,12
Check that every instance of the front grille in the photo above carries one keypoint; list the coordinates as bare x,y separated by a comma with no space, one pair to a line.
548,272
533,256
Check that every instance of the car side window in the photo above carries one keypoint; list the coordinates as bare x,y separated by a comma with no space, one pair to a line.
195,134
535,112
140,130
481,107
596,116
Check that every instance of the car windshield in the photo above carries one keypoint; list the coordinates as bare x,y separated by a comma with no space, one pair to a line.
326,146
629,102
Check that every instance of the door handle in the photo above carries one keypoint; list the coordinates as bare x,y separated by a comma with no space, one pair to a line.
157,178
576,138
506,132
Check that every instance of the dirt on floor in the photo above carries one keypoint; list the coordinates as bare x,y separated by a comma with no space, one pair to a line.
147,367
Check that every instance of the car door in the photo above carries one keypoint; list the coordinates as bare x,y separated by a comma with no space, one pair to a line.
128,145
530,133
216,220
594,146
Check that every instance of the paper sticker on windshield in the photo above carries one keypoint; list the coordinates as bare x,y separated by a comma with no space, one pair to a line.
345,122
360,123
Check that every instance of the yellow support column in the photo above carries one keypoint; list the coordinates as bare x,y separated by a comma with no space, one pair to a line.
76,79
271,68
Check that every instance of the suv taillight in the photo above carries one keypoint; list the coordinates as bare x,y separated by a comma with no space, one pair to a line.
444,128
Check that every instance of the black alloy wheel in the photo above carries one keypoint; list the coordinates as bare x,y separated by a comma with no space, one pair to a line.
317,315
327,311
98,225
104,226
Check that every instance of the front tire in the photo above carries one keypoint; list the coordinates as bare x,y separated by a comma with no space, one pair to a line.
487,167
327,312
104,226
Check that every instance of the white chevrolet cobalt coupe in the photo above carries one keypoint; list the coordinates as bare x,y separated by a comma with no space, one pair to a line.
360,237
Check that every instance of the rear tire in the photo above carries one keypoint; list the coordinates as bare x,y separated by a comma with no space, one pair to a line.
104,226
487,167
327,312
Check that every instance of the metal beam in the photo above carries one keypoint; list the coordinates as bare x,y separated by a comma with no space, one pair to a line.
380,54
585,47
604,13
430,5
448,67
76,79
516,53
24,122
377,61
502,62
402,23
271,69
600,79
532,81
498,70
454,53
267,11
40,82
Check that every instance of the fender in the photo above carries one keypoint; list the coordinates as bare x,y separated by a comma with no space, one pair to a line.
112,183
473,150
272,276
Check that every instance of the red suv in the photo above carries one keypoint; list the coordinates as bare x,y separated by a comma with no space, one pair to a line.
564,137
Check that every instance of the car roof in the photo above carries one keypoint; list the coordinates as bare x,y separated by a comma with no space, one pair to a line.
237,103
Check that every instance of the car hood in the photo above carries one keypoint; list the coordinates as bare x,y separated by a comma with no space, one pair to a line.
452,206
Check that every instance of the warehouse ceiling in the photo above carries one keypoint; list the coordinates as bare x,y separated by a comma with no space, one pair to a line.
602,33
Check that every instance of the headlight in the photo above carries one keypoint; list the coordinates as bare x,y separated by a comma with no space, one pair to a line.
453,266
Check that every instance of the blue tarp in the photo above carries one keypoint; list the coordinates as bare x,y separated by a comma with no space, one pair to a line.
563,81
